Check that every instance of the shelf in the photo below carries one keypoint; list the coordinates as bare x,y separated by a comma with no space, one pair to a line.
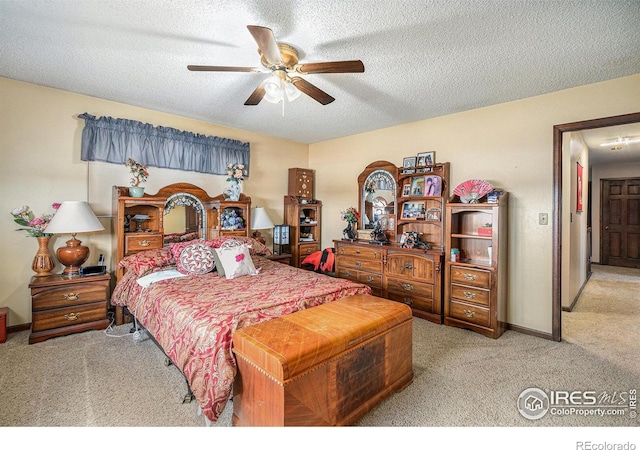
472,262
471,236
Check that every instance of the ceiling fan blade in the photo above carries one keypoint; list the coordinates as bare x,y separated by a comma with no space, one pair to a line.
312,91
331,67
256,96
223,69
266,43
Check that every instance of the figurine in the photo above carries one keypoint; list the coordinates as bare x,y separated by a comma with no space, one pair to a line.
378,234
411,239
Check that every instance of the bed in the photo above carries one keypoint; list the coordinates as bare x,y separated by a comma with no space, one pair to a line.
192,316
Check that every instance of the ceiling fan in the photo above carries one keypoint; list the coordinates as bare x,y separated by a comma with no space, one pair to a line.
282,60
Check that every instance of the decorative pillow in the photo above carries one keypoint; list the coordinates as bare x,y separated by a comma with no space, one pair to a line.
141,262
235,259
195,259
177,247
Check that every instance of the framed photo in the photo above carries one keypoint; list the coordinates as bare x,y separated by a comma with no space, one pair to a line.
406,190
434,214
413,210
426,159
409,164
578,187
417,186
432,186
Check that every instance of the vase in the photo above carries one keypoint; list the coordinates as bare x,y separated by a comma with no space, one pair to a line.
43,262
350,232
136,191
233,191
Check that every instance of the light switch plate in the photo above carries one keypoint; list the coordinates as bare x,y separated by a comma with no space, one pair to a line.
543,219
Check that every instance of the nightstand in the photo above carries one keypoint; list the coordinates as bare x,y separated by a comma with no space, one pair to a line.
284,258
62,305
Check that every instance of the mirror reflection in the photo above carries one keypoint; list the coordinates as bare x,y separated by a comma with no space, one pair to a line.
183,218
378,198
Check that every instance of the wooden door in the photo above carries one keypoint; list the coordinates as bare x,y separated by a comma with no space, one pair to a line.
620,224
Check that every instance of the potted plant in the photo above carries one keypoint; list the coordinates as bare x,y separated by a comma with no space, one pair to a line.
139,174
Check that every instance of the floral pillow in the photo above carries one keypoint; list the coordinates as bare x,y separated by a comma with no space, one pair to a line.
235,260
196,259
142,262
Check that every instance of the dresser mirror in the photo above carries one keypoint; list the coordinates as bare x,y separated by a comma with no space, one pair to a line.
184,214
377,196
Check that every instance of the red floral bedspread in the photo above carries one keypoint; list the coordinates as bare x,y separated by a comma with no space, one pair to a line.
193,318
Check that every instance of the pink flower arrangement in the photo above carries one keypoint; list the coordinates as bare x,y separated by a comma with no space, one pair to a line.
33,225
350,215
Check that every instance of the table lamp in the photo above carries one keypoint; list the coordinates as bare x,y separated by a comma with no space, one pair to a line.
260,221
71,218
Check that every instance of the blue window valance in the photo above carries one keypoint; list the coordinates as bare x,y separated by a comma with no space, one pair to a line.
112,140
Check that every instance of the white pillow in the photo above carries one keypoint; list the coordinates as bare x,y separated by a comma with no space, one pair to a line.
235,259
158,276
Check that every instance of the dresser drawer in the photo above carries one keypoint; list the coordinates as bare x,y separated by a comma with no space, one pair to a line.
361,253
415,302
136,242
361,264
371,279
420,268
409,287
70,295
471,277
73,315
469,313
471,295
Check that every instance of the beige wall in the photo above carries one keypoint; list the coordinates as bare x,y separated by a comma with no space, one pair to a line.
40,164
510,145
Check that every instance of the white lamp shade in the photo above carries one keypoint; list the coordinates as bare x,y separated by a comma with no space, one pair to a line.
260,219
74,217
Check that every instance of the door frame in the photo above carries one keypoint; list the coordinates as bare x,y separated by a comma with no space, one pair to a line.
558,130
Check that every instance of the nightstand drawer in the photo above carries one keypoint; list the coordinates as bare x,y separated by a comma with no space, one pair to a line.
471,277
361,253
469,313
471,295
73,315
69,295
136,242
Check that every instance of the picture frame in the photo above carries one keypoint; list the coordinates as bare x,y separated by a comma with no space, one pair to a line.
417,186
434,214
413,210
432,185
578,187
426,159
409,164
406,190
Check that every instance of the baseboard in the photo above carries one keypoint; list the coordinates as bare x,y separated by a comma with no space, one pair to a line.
529,331
575,299
17,328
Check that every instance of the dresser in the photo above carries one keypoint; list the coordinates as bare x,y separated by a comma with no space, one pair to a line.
61,305
406,275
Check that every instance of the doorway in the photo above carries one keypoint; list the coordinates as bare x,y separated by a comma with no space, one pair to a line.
558,131
620,224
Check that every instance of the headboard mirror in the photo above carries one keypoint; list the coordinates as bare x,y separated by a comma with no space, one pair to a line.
184,213
377,189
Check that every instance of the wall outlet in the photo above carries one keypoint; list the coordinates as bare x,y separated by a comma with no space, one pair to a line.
543,219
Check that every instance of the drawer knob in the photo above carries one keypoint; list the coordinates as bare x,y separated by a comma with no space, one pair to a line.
468,276
358,264
408,266
407,301
144,243
71,296
72,316
468,294
370,278
358,252
347,273
407,286
469,313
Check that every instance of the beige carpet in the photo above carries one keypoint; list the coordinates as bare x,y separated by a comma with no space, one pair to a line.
462,379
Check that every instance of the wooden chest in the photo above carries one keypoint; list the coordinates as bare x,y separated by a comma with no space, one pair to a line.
327,365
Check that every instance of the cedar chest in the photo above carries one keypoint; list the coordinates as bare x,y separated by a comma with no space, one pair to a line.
327,365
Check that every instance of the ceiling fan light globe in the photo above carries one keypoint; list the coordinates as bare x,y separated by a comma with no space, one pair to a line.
291,91
272,89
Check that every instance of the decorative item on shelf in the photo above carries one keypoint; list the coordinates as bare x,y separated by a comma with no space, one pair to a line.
73,217
378,235
494,196
471,191
351,216
281,239
140,219
231,220
260,221
139,174
235,174
43,262
411,239
485,230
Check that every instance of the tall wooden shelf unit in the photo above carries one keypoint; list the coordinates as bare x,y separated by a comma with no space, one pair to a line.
476,284
217,207
305,222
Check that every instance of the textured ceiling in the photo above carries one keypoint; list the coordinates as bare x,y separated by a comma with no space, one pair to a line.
422,58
